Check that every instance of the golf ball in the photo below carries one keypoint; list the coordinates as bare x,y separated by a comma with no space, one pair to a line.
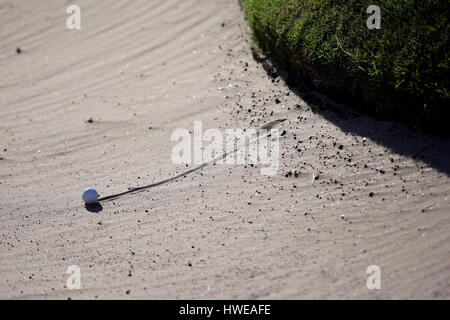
90,196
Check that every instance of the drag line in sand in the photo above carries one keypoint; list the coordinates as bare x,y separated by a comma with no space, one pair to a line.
267,126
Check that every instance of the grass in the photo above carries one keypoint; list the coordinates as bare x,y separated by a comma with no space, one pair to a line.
398,72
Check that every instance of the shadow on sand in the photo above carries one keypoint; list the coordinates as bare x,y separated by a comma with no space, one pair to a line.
430,149
96,207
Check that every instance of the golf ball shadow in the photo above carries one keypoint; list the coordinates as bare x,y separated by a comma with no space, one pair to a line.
93,207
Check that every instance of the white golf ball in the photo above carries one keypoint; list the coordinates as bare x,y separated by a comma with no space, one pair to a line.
90,196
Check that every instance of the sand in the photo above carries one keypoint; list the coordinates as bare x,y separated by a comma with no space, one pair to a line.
96,107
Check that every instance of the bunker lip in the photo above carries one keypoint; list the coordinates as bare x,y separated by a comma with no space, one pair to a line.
362,76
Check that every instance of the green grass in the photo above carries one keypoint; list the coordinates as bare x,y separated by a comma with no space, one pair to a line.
390,72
